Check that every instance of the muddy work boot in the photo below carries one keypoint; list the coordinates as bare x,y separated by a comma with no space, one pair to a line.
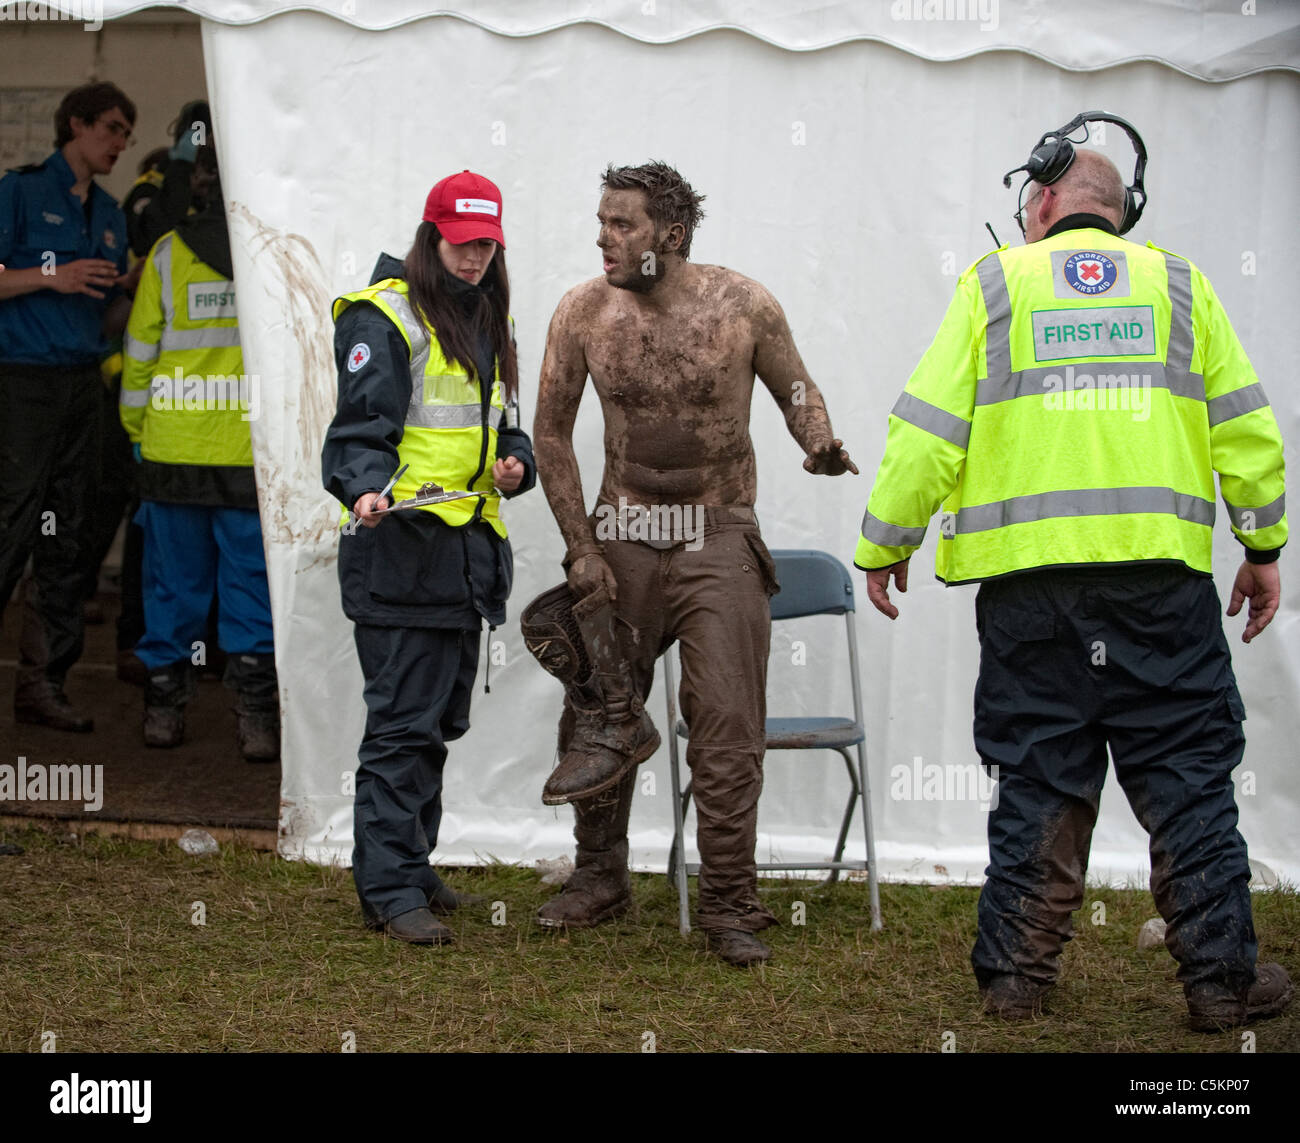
737,946
257,707
599,888
166,691
612,733
1214,1008
1014,998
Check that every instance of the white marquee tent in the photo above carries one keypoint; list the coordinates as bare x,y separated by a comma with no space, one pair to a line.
851,153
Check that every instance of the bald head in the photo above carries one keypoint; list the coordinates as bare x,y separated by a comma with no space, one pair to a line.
1092,185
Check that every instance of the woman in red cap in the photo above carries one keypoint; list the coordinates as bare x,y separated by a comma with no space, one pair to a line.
428,380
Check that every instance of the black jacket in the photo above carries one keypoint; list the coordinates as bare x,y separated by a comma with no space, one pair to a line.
413,569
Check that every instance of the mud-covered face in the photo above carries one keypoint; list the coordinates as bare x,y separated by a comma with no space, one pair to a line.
633,249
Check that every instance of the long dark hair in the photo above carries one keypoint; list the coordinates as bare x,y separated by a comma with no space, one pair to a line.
433,301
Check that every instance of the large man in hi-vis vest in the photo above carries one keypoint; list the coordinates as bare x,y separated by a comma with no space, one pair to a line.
1070,417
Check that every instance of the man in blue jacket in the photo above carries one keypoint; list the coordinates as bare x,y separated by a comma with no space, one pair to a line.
63,241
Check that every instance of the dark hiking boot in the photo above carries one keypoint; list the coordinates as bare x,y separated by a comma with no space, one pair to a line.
257,704
612,733
1214,1008
48,707
259,736
164,726
444,900
166,691
737,946
419,927
1014,998
599,888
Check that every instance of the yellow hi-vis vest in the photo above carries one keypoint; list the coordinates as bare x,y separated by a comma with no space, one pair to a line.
1073,408
445,439
185,397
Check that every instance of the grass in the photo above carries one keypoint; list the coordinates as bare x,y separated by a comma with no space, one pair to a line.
98,946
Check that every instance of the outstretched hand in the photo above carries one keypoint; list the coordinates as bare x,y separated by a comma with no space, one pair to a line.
830,460
878,587
1262,585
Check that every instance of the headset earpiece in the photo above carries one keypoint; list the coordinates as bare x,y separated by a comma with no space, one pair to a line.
1054,155
1050,160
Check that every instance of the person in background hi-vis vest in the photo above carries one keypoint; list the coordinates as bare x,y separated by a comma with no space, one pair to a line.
186,404
1070,417
427,392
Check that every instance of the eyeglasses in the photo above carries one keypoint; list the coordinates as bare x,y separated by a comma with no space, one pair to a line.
1019,216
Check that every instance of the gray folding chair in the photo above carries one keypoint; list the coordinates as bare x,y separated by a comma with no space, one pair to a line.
812,583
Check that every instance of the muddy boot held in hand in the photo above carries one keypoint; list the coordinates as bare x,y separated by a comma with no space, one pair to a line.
599,887
611,732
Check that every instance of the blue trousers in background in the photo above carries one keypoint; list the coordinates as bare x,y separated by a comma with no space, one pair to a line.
189,549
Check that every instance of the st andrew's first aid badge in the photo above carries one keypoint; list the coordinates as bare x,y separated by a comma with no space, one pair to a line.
358,355
1089,272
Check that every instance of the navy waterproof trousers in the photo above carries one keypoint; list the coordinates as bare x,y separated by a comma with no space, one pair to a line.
418,685
1132,658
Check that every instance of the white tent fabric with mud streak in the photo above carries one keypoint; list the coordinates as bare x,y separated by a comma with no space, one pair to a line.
851,154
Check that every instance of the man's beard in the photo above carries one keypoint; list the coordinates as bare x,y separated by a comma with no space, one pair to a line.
640,282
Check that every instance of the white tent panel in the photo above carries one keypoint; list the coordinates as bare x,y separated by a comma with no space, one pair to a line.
854,182
1209,39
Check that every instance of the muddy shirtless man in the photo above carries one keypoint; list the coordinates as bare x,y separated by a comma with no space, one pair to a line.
672,550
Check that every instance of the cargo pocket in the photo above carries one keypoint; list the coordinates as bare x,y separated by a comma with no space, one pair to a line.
763,562
413,563
1236,708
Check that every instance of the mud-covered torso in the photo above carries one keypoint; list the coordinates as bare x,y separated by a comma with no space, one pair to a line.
675,386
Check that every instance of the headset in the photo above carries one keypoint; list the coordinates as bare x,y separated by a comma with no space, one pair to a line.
1054,154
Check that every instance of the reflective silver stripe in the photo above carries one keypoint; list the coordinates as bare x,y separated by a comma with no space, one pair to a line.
1237,403
134,398
452,416
1182,339
1179,356
139,350
932,419
1085,502
222,337
997,334
876,531
162,255
400,304
1032,382
1264,517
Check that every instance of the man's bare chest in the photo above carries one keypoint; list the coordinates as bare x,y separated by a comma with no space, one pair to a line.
687,364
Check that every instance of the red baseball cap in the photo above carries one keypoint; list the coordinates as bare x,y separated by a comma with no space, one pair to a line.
465,207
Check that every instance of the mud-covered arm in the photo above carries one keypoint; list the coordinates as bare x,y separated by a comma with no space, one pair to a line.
779,366
564,376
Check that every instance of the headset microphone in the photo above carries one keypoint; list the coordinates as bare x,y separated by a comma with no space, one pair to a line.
1054,154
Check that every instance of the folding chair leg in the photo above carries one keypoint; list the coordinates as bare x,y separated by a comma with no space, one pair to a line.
873,882
848,813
